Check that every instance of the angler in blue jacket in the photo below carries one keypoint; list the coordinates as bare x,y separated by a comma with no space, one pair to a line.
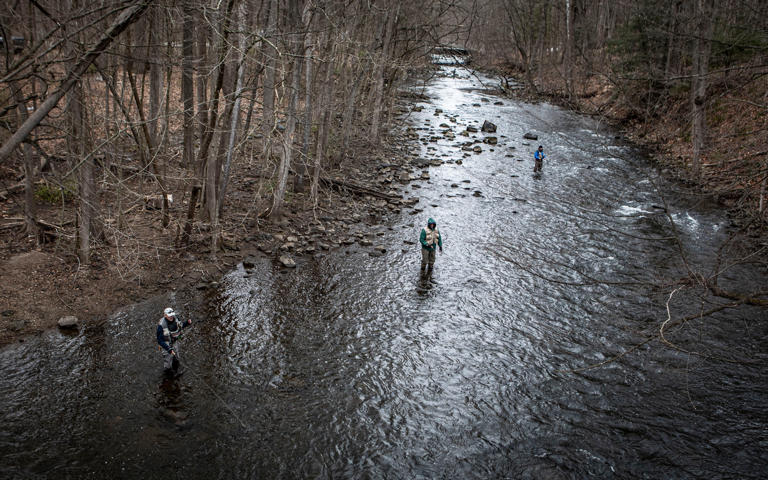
168,332
538,158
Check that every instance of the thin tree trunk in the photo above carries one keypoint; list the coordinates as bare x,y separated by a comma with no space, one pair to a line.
85,174
303,170
701,50
761,208
234,122
287,143
378,78
30,205
349,114
569,41
268,96
202,73
155,80
151,148
326,103
188,101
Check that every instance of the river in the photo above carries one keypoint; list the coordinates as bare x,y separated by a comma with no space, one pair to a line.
354,366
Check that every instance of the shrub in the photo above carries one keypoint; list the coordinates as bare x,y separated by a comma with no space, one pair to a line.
54,194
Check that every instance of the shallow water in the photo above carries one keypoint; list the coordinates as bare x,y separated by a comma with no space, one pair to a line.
359,367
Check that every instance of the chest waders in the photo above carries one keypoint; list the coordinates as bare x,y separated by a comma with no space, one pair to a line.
171,332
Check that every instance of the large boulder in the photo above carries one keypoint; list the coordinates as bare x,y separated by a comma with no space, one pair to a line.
488,127
530,136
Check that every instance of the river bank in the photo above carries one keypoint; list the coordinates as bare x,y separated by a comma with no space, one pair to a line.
43,284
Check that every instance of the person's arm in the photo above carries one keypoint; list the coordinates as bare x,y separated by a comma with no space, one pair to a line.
423,238
161,339
440,241
186,323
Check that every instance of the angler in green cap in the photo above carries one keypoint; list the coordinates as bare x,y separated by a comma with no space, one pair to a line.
430,241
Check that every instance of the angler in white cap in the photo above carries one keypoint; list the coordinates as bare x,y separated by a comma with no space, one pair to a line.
168,331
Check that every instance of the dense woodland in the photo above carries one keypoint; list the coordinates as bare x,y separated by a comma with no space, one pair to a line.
109,105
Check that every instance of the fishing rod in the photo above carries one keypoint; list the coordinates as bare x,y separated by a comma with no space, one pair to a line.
186,367
231,411
191,370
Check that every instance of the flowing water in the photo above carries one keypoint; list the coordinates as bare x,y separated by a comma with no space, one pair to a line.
354,366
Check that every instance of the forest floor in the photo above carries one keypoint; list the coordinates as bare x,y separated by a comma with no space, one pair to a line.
139,259
735,161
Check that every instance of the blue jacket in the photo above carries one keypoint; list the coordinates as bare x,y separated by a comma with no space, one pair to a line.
161,339
537,157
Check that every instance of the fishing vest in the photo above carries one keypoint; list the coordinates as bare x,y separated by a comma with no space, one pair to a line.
170,332
432,236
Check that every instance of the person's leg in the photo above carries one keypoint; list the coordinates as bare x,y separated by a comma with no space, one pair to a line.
167,360
431,259
424,258
176,347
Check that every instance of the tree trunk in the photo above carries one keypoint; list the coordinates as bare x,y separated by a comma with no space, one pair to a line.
569,41
268,96
349,113
155,79
85,173
188,101
201,76
30,205
326,104
761,207
701,50
234,122
302,170
378,77
287,143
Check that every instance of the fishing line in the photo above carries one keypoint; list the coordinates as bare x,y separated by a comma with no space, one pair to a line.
231,411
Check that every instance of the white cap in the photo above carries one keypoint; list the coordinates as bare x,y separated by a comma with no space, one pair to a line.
169,311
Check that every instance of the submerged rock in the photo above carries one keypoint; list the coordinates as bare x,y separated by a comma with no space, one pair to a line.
249,262
530,136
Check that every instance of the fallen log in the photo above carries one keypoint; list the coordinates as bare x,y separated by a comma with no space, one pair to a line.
344,185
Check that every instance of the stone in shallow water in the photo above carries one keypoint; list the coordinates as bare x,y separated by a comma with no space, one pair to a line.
287,261
70,321
249,261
